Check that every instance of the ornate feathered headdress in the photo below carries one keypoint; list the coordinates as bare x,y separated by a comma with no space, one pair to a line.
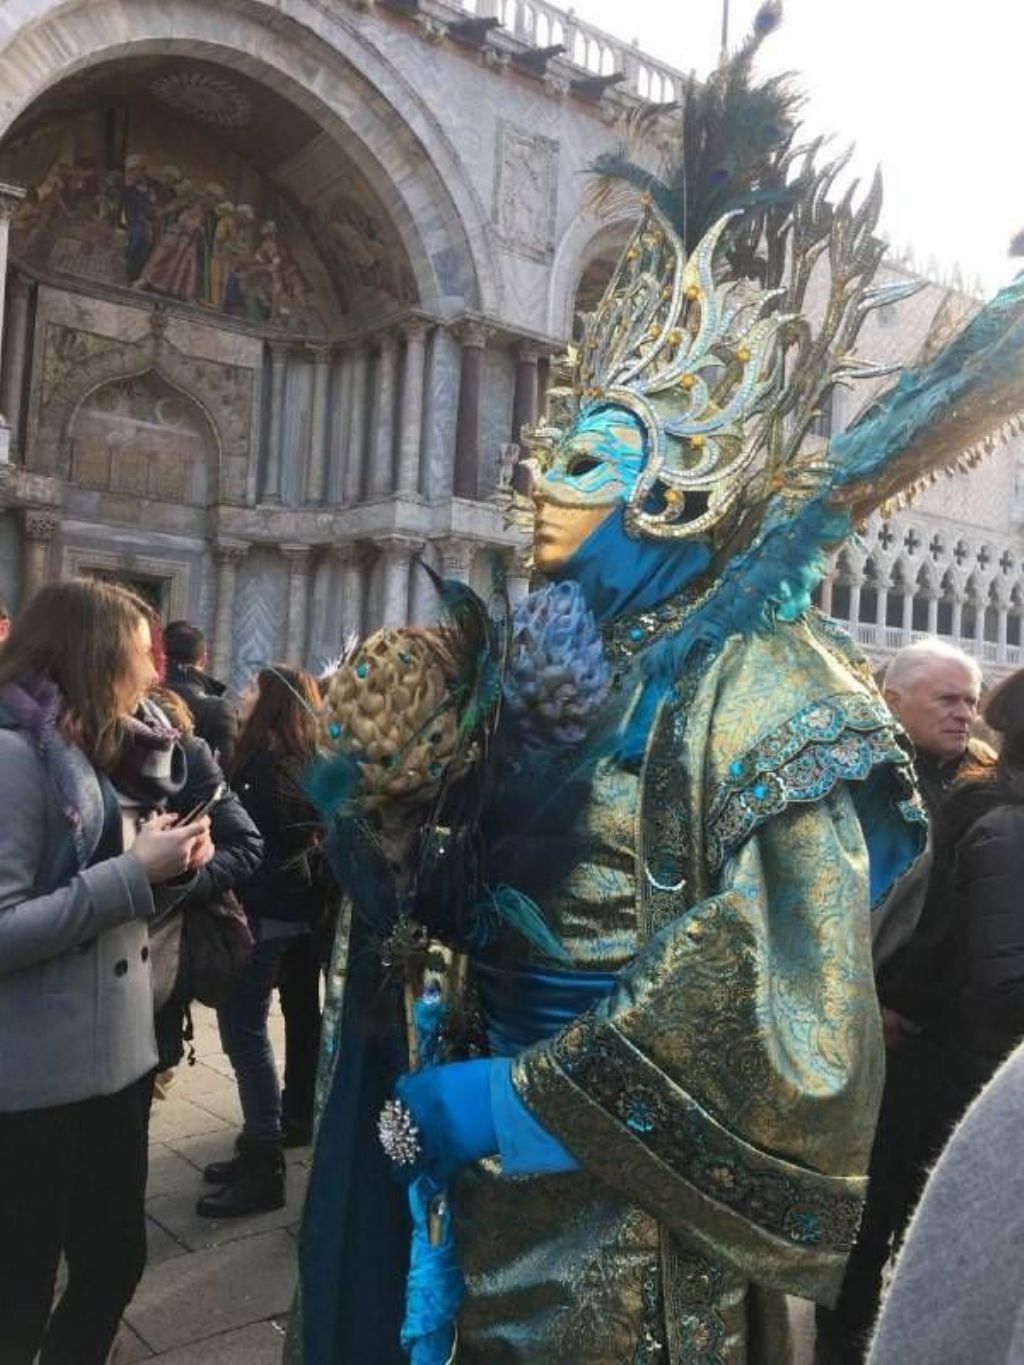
704,337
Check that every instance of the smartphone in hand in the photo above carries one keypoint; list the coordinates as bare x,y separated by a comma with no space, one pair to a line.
203,806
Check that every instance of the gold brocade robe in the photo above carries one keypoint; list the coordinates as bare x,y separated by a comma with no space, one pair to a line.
722,1101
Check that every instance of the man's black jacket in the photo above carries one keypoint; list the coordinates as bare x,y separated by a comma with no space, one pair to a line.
215,717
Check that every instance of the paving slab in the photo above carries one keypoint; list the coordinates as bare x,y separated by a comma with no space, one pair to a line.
161,1245
179,1117
177,1214
130,1348
260,1344
188,1299
169,1171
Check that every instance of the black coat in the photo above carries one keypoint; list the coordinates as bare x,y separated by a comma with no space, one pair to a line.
290,884
988,1020
921,980
237,840
215,718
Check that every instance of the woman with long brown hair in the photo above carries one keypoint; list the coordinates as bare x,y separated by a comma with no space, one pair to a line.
283,901
86,861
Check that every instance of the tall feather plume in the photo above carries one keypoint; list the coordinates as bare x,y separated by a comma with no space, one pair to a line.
731,152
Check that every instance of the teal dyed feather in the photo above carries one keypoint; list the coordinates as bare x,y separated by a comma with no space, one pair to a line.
925,421
331,782
518,912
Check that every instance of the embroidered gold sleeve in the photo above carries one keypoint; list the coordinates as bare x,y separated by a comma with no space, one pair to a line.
730,1085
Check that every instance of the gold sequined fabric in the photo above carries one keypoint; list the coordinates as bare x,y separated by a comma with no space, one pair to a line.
722,1102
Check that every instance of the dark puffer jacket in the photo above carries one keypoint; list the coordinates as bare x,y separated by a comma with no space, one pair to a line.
290,884
988,1016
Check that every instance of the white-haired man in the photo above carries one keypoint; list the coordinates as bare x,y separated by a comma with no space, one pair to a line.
933,688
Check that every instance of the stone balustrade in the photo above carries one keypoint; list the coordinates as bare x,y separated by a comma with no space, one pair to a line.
586,47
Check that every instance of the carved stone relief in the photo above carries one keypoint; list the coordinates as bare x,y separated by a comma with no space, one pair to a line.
78,365
526,191
140,437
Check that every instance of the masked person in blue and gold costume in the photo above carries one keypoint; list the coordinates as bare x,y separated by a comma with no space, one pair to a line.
618,865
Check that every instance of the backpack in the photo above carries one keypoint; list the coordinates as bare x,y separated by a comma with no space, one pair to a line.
216,945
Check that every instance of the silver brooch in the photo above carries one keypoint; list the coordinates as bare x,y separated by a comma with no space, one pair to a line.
399,1136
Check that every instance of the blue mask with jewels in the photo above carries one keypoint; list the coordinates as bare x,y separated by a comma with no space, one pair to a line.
597,462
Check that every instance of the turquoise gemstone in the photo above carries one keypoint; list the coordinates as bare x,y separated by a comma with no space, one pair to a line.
636,633
334,730
760,791
736,768
362,669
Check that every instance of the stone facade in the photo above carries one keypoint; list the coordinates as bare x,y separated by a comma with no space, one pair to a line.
282,278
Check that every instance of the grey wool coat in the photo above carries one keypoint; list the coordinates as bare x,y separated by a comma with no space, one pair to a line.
76,1008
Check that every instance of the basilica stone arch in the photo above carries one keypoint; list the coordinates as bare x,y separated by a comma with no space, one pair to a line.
588,238
322,64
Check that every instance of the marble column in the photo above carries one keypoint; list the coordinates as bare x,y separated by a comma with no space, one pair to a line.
338,426
316,470
410,435
473,338
10,198
979,625
517,575
398,553
275,443
15,356
958,618
826,595
456,559
382,421
351,561
297,558
524,402
855,586
881,608
933,613
1003,620
355,446
38,526
227,555
908,615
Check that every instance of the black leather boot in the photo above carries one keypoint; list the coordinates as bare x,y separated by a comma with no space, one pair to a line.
224,1172
258,1186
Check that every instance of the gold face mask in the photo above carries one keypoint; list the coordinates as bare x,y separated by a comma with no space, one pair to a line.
577,483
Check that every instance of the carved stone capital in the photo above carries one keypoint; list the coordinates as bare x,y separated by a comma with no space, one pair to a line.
472,333
456,558
345,554
10,200
232,552
39,523
398,547
415,329
320,352
296,554
528,352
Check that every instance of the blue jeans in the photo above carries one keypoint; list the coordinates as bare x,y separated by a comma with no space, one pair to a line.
244,1037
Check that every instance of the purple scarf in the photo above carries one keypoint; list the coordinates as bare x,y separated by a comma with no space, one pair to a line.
151,767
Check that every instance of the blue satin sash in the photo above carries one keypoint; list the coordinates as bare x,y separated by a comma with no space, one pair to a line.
525,1005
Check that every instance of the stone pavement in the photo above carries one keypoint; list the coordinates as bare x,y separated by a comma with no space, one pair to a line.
214,1292
217,1293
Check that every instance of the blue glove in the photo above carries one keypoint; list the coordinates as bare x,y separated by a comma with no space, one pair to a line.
451,1106
468,1110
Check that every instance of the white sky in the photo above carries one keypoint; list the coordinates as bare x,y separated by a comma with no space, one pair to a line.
931,90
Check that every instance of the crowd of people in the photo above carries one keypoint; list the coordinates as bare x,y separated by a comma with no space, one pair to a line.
157,847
